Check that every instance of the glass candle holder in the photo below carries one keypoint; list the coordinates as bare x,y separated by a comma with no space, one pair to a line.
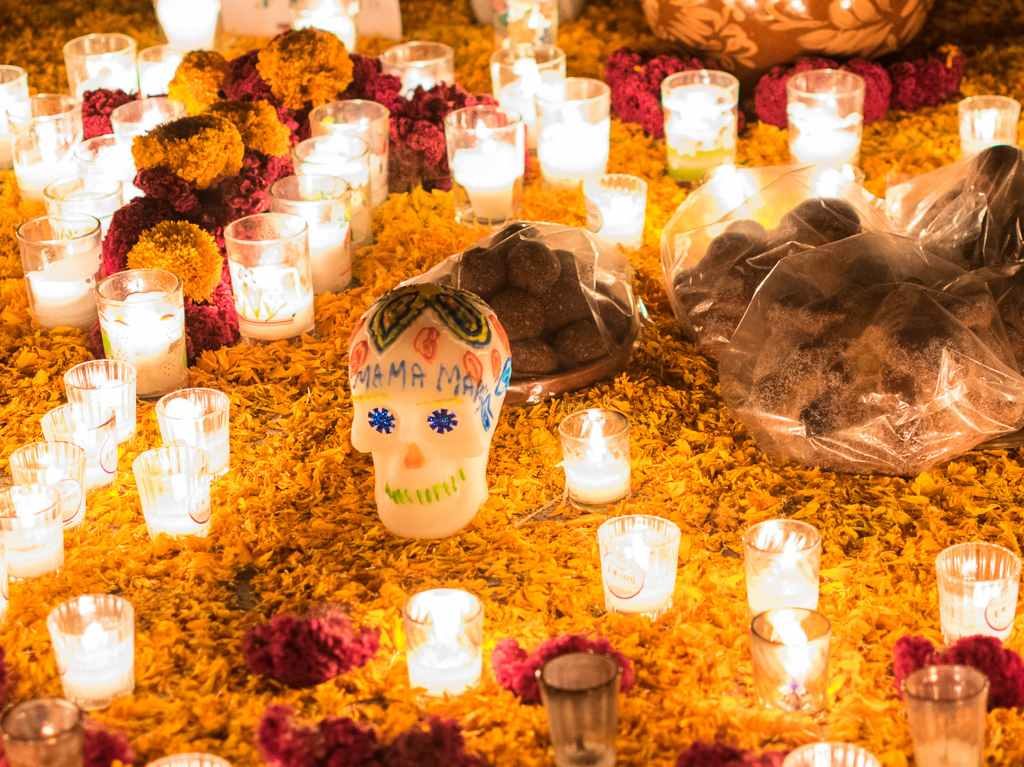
60,465
366,120
93,639
526,22
174,490
825,110
487,157
639,556
199,418
44,141
700,121
109,157
104,60
271,276
45,731
105,385
978,585
616,209
574,131
60,258
348,157
444,633
76,197
987,121
419,65
188,25
157,65
142,322
14,101
782,560
31,530
946,708
831,755
91,427
580,692
335,16
519,74
138,117
790,646
190,760
595,455
322,202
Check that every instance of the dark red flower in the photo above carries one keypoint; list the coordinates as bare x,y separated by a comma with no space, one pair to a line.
102,748
927,81
163,184
212,324
877,87
770,91
909,654
243,81
721,755
126,225
96,108
369,82
439,744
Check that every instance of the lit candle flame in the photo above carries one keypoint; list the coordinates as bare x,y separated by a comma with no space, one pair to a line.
790,633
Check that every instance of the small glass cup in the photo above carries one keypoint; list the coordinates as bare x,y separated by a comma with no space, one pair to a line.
60,465
189,25
335,16
366,120
580,692
831,755
94,429
595,455
139,117
157,65
76,197
60,257
110,157
946,708
978,586
419,65
44,731
700,121
782,560
987,121
101,60
348,157
31,530
174,490
14,101
190,760
200,418
526,22
825,109
616,210
107,385
444,633
639,557
574,131
487,157
519,74
789,647
44,139
93,639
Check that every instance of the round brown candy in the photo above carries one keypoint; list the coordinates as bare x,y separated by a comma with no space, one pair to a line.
580,343
532,356
565,301
820,220
533,267
482,271
521,314
510,236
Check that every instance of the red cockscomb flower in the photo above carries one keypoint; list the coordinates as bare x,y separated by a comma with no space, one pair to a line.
770,92
96,108
720,755
102,748
927,81
163,184
877,87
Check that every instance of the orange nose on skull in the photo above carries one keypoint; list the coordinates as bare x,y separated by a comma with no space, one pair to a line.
413,457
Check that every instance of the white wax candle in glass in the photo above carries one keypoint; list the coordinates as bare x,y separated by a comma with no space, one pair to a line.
595,455
419,64
444,631
60,465
366,120
77,197
107,385
520,74
31,530
574,131
825,110
188,25
44,731
987,121
526,22
347,156
142,115
639,557
335,16
782,559
174,490
192,759
157,65
616,209
832,755
93,428
93,639
104,60
14,102
45,137
200,418
978,587
790,647
700,121
109,157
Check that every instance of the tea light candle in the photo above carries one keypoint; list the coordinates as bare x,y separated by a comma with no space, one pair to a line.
106,385
14,101
190,760
157,65
700,121
444,637
520,74
189,25
782,559
45,731
978,586
639,557
790,655
617,209
419,64
987,121
200,418
574,132
487,156
174,490
335,16
825,109
104,60
60,465
595,451
142,115
836,755
91,427
32,530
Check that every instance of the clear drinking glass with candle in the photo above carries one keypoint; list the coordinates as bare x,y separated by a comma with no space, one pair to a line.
789,646
14,101
106,385
946,708
322,202
271,276
93,428
639,557
77,197
142,322
700,121
335,16
200,418
101,60
157,65
487,158
419,64
595,455
190,760
831,755
825,110
520,74
346,156
987,121
44,731
580,692
978,586
44,140
526,22
188,25
60,465
782,559
574,131
60,257
366,120
142,115
444,632
93,639
108,157
31,530
174,490
616,209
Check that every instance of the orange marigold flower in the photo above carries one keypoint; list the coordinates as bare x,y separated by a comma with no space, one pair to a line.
202,150
197,81
259,125
184,249
305,66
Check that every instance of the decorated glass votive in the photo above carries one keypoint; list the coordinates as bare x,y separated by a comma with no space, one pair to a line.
14,101
142,115
174,490
519,74
271,276
987,121
367,120
190,760
639,556
831,755
700,121
946,707
60,257
93,639
142,322
77,197
574,131
346,156
106,385
487,158
444,633
91,427
419,65
103,60
322,202
978,585
157,65
335,16
526,22
595,456
580,692
45,137
199,418
60,465
188,25
790,647
616,209
109,157
31,530
825,109
44,731
782,559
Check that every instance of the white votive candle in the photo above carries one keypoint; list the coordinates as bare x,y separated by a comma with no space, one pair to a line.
346,156
419,64
790,648
487,157
32,530
987,121
519,75
200,418
60,465
101,60
193,759
444,637
189,25
700,121
107,385
617,209
34,172
825,110
782,558
174,490
595,455
335,16
93,428
978,587
574,131
157,65
14,106
639,557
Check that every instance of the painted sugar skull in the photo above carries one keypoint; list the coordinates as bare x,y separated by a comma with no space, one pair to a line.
429,367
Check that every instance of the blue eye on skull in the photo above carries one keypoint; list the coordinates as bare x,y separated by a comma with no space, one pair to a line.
442,421
381,420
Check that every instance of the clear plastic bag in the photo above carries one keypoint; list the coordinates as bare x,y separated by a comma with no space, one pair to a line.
870,354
